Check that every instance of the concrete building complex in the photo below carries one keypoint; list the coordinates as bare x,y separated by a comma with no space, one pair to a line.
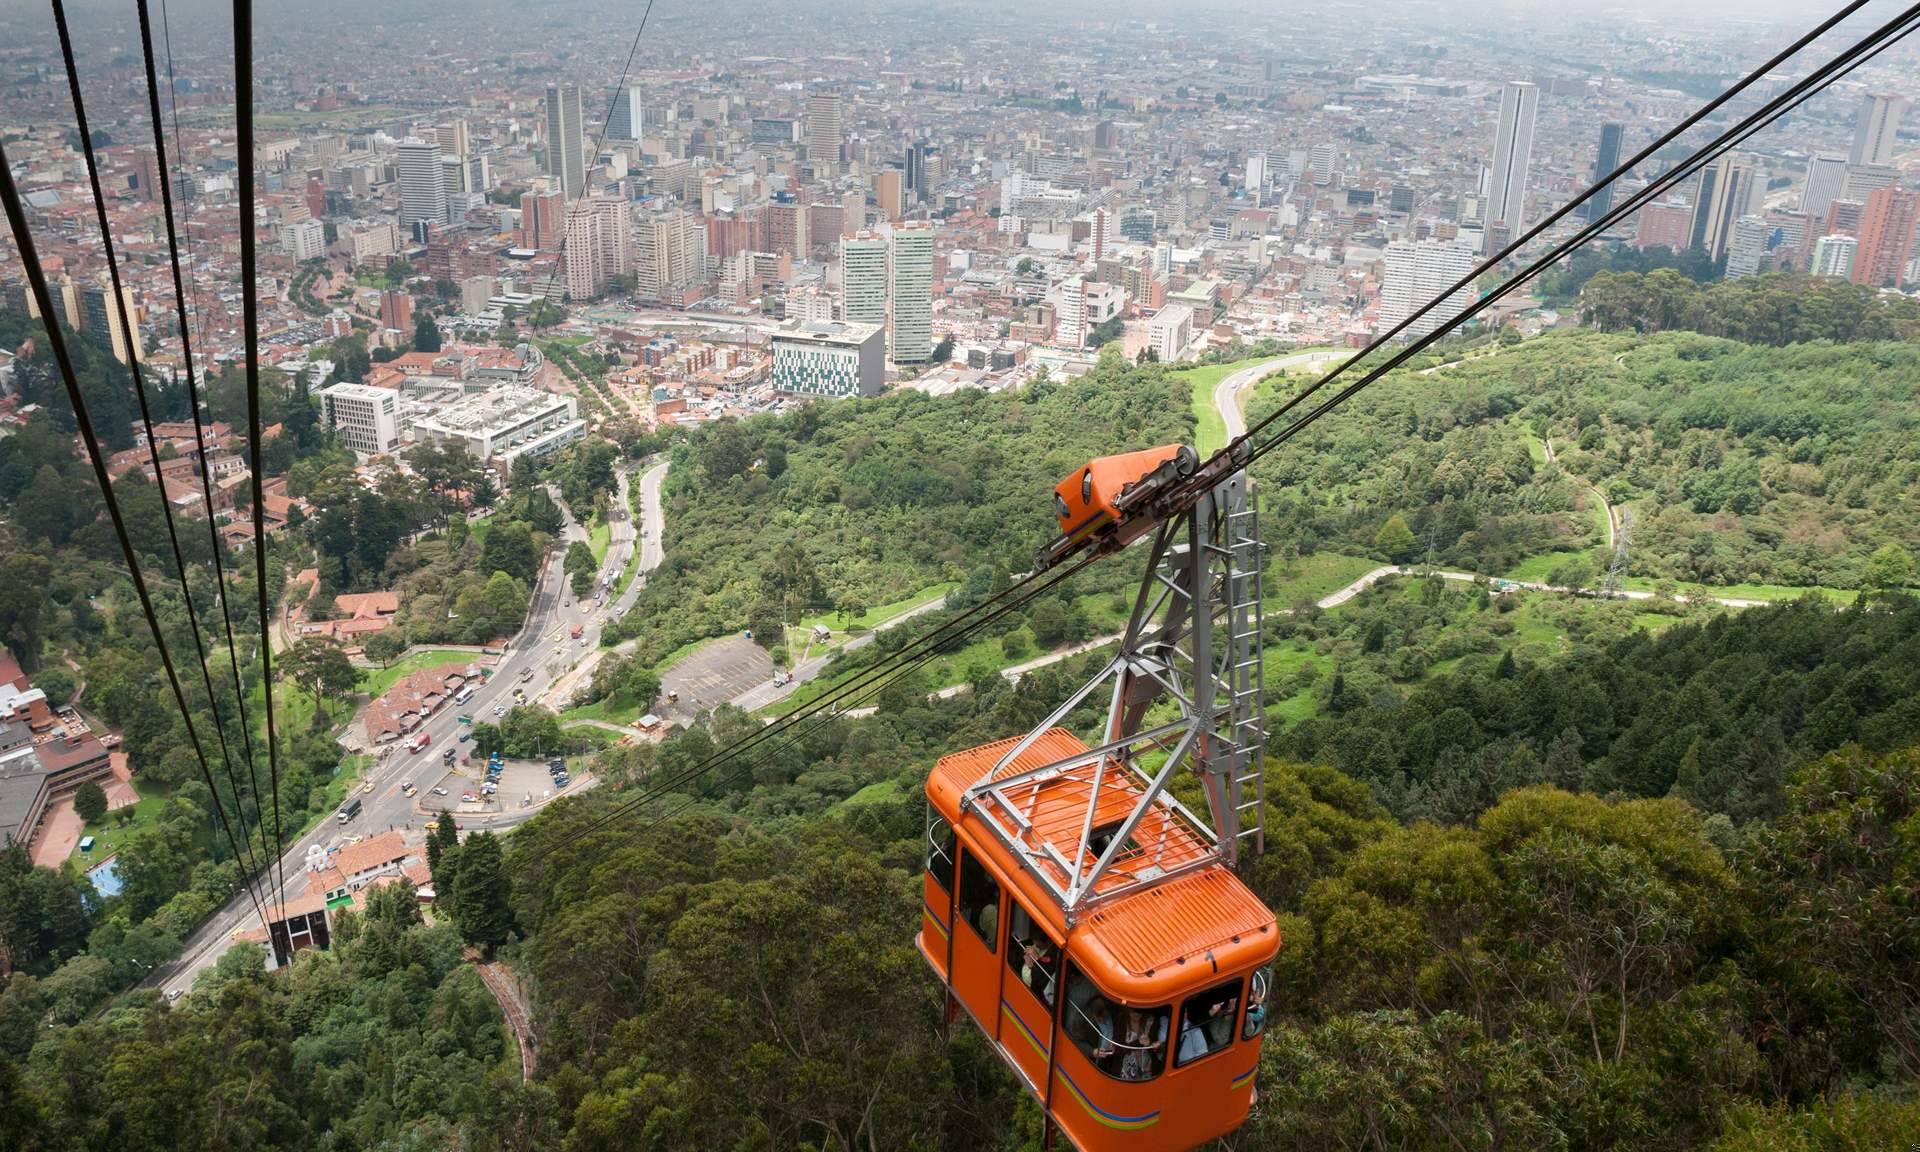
504,424
363,418
836,359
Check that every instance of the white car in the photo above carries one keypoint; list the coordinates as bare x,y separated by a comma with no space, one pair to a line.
439,791
498,709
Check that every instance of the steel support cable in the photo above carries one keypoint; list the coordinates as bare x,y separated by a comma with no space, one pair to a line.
173,103
127,335
43,299
250,320
1863,50
823,710
1236,449
193,399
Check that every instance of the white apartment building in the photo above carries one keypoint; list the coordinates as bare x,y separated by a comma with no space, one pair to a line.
910,294
372,241
1833,256
363,418
1420,271
304,239
423,188
1169,332
863,279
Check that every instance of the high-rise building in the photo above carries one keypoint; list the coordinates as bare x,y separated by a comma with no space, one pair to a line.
1886,237
863,278
669,249
1833,256
1874,129
824,131
1070,313
627,121
104,313
919,184
1512,151
1320,164
1419,271
787,232
453,137
910,294
586,272
396,310
566,159
1400,199
304,239
1731,188
889,186
1256,176
1845,216
1863,180
829,358
1137,224
1747,246
1826,174
1604,162
1098,234
540,220
423,190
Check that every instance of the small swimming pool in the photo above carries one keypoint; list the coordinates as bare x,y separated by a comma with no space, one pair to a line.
105,876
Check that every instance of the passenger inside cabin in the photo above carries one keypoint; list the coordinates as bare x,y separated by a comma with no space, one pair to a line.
1144,1044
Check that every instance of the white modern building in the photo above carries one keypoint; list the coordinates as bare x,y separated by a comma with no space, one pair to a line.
363,418
863,278
423,189
1169,332
910,295
1747,247
824,132
505,424
1419,271
1833,256
1875,129
304,240
831,359
1826,174
626,121
1512,150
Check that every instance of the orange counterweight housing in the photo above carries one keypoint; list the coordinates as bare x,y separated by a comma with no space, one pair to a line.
1084,502
1138,1026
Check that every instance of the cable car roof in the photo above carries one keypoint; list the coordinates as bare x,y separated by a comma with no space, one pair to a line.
1158,918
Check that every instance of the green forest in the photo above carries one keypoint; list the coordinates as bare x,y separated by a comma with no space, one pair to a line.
1737,463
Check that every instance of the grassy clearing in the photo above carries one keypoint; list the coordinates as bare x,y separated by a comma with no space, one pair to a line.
874,617
375,682
599,536
1312,577
117,827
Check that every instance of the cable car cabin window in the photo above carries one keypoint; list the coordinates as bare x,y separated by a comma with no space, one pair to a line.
1125,1043
1033,957
1206,1023
980,902
940,852
1256,1018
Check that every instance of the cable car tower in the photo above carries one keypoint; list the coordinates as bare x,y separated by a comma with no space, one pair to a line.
1085,918
1192,642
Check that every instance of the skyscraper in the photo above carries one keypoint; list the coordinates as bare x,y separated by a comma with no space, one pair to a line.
910,294
1826,175
919,186
1419,271
1875,128
1320,164
566,160
1730,189
423,190
1604,162
1256,181
1070,314
453,137
1886,237
863,278
104,315
1099,233
1833,256
889,194
626,122
669,249
1512,149
540,219
824,131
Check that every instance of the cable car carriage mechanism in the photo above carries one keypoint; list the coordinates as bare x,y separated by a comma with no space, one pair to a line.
1088,922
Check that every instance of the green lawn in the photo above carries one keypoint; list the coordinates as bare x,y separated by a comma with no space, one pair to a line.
1209,428
873,617
375,682
621,709
478,527
1312,577
111,833
599,535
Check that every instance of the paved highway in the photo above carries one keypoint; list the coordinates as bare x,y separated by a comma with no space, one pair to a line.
543,648
1226,394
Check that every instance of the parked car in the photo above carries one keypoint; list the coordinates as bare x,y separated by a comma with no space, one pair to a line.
467,798
439,791
465,736
562,780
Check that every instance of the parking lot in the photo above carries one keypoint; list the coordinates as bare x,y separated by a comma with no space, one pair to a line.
715,674
522,783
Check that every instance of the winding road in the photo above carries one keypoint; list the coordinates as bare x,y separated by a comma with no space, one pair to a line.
1226,394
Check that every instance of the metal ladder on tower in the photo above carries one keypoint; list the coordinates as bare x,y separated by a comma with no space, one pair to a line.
1243,730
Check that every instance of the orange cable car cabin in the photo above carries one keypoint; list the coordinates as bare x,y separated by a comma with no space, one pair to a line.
1088,922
